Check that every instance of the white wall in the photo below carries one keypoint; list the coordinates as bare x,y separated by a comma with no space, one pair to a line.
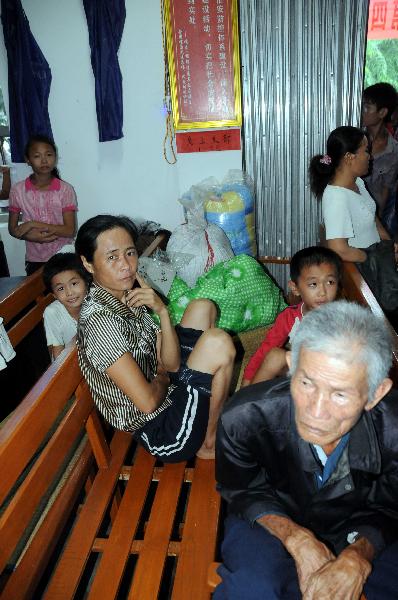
127,176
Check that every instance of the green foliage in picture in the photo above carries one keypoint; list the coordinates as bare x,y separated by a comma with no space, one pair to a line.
381,62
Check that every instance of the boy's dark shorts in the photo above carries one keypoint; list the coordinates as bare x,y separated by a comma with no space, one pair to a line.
178,432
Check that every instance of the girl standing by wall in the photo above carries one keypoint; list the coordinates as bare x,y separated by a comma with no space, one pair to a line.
47,205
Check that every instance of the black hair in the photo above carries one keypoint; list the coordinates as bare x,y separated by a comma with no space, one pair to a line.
64,261
86,239
42,139
314,255
340,141
383,95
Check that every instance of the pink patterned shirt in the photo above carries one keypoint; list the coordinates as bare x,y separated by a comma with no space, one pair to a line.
47,206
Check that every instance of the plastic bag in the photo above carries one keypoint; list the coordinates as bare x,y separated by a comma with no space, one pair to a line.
204,242
230,205
158,271
245,295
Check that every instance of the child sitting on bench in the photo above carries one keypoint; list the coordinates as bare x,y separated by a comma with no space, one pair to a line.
315,274
65,276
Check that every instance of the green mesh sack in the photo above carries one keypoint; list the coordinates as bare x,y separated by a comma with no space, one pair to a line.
245,295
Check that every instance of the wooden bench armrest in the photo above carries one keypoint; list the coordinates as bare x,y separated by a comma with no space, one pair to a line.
157,243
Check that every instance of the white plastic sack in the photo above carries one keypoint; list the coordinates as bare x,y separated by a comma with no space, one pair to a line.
205,242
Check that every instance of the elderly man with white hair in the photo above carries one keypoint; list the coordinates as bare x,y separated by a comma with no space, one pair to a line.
309,468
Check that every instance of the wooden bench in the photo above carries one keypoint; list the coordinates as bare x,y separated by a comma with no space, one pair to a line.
23,308
114,516
84,512
22,312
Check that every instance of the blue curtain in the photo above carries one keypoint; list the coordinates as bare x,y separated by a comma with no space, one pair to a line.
29,79
105,20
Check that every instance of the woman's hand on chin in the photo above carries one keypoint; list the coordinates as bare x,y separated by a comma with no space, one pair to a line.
144,296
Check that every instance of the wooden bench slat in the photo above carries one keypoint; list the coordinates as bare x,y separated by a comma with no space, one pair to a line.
96,435
117,550
157,472
70,568
199,536
29,321
154,551
17,515
23,582
27,291
173,548
32,419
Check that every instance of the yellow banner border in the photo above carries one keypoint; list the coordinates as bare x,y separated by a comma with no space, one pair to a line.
178,124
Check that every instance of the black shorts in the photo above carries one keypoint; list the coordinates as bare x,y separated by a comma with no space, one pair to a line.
178,432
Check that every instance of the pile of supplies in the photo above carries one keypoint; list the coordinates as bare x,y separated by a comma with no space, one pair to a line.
211,256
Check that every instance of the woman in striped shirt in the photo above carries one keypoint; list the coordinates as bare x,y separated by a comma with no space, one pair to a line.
167,384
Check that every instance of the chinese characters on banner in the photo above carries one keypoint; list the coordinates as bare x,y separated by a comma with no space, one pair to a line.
208,141
204,63
383,19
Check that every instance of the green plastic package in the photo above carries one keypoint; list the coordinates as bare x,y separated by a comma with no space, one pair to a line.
245,295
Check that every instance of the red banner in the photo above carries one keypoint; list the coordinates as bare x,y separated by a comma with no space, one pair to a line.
202,33
383,19
208,141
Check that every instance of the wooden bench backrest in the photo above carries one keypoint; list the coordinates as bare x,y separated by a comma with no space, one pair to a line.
30,292
30,439
355,288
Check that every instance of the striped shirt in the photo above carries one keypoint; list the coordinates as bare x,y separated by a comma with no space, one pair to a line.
107,330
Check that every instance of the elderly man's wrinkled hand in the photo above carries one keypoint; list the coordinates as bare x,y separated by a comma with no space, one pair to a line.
340,579
309,554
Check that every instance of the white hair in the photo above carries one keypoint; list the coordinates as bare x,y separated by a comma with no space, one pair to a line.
349,332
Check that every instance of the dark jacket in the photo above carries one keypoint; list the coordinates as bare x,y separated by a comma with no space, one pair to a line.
263,466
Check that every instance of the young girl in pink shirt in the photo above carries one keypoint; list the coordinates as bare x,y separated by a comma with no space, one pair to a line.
47,205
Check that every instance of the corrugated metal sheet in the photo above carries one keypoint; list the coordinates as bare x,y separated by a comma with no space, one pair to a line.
302,74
